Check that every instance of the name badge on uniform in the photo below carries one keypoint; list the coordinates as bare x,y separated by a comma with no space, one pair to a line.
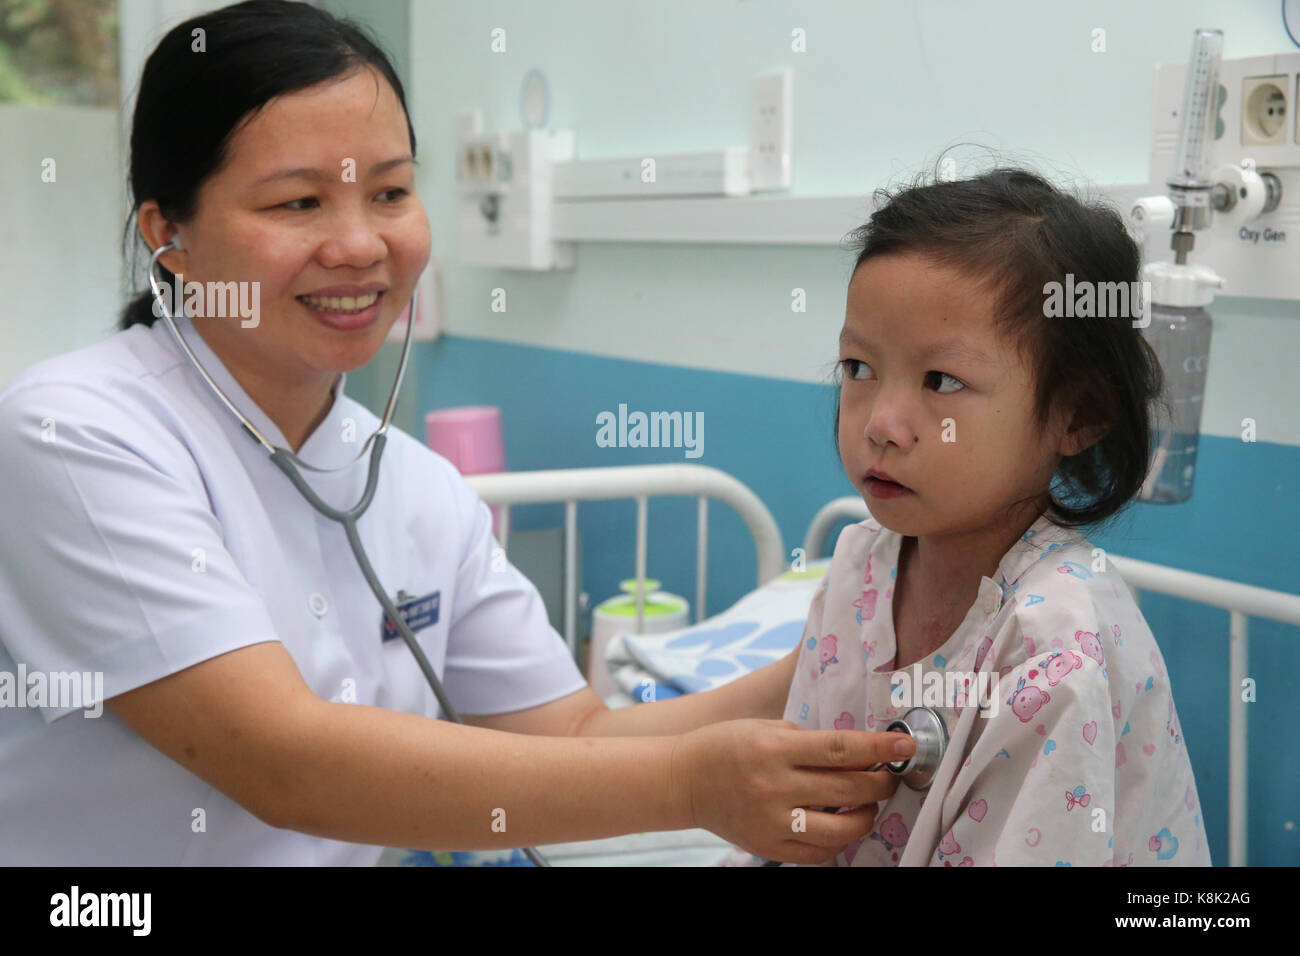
417,612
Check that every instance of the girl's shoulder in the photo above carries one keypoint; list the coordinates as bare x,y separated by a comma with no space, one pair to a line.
863,567
862,547
1072,603
1066,576
858,539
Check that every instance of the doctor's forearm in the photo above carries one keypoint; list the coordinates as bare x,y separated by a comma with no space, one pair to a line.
370,775
761,694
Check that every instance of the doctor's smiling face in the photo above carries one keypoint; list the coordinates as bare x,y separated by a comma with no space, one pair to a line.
316,202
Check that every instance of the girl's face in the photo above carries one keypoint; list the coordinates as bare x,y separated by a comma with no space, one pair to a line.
318,198
933,397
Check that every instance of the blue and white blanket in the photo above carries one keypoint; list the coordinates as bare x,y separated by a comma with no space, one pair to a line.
760,628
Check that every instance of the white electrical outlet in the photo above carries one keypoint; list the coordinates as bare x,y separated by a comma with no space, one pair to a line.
770,132
1254,127
505,197
1263,110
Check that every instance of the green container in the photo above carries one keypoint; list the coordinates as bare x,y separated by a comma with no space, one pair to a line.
663,612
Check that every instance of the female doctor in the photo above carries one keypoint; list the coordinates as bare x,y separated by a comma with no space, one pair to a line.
255,712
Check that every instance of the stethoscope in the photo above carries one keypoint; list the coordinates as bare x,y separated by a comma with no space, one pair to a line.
289,463
926,728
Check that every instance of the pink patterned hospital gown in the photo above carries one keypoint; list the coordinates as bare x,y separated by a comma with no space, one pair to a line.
1077,761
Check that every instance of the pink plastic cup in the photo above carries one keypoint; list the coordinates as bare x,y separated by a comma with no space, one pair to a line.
470,437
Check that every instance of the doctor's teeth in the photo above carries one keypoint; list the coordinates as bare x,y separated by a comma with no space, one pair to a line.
345,303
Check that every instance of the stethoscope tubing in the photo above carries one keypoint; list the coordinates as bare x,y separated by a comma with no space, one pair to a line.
289,463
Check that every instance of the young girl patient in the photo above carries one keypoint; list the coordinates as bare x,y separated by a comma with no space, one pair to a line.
982,428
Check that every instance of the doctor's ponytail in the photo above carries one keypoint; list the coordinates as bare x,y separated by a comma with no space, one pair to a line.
190,103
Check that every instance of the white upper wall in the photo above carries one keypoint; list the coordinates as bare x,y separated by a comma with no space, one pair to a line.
883,88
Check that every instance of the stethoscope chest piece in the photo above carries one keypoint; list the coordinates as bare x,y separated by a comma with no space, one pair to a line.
927,730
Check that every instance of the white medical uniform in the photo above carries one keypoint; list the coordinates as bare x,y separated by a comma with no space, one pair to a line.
145,532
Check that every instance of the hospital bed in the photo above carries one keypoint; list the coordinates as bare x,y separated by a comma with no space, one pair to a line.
765,624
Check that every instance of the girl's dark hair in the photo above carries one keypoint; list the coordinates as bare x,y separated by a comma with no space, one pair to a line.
192,102
1011,231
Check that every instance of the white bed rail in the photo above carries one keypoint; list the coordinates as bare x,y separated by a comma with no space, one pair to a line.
640,482
1242,601
831,514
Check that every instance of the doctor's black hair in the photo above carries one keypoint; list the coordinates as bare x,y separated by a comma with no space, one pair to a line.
190,104
1010,231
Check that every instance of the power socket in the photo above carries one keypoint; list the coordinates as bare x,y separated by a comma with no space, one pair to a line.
1264,110
770,146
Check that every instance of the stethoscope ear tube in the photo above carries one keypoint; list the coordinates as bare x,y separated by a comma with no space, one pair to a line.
252,430
287,462
926,728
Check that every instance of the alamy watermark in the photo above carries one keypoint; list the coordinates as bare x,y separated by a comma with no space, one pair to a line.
912,688
653,430
1098,300
54,689
132,911
212,300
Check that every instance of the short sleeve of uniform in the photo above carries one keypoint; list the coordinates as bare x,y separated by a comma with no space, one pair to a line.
502,653
801,705
1042,788
113,561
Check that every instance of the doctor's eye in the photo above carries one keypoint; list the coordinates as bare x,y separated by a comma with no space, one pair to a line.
400,195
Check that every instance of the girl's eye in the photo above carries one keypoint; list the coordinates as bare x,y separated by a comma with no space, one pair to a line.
943,375
289,204
853,367
857,369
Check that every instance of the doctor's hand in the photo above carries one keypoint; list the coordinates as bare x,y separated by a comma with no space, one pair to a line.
761,784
